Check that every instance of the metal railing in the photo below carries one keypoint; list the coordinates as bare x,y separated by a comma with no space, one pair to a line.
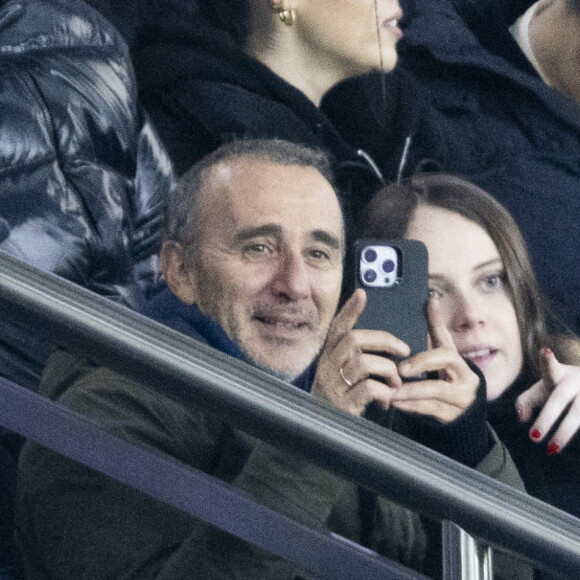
274,411
223,506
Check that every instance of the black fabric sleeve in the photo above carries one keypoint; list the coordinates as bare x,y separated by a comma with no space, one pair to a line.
467,439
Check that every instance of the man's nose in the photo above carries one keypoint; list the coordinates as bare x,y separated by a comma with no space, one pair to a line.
292,280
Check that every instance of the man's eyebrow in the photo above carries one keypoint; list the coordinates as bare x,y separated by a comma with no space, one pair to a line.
253,232
322,236
326,238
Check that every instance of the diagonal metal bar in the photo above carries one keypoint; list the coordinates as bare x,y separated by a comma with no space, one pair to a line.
54,426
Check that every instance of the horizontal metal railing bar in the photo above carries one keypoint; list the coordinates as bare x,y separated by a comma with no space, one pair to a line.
365,453
221,505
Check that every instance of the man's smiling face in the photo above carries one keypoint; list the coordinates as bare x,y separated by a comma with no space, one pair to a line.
269,262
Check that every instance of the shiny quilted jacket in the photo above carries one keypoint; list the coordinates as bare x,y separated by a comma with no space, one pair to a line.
83,177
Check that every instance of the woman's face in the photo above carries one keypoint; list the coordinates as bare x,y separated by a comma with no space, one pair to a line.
344,33
466,275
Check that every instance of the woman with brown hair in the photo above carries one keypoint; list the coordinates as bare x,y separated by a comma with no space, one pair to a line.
482,278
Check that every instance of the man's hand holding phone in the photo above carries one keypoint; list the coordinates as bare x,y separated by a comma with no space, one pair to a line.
352,370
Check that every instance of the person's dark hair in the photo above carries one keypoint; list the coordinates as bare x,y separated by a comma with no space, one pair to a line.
232,16
182,223
391,210
573,7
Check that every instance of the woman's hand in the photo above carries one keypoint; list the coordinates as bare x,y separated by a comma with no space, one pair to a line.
558,392
351,372
447,397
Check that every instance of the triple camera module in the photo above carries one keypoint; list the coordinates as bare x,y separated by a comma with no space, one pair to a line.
379,266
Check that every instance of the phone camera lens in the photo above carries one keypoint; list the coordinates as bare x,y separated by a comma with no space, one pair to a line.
369,255
388,266
369,276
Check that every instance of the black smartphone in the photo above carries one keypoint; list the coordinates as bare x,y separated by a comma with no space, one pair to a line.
394,275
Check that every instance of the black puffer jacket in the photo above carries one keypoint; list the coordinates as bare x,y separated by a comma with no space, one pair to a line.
83,176
201,90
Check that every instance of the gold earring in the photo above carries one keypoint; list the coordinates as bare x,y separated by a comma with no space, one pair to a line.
288,17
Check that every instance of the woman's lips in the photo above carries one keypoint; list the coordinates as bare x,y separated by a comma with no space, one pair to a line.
480,355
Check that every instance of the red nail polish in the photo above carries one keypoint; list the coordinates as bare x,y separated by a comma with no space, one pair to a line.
535,434
553,448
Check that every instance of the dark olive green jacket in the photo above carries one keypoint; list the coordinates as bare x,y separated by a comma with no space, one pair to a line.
75,523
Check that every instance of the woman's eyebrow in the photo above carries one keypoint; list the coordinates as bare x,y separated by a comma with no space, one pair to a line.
494,261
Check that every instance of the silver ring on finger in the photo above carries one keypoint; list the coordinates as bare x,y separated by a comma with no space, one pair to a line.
348,383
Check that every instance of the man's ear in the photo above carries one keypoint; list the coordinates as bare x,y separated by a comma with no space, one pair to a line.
178,276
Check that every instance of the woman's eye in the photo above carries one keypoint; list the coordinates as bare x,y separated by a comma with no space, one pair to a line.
434,293
493,281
